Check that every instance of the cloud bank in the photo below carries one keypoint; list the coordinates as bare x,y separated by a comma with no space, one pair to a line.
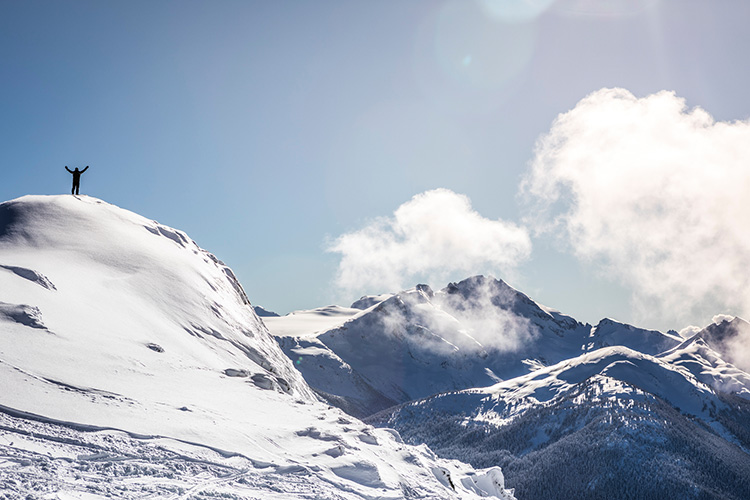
432,236
656,193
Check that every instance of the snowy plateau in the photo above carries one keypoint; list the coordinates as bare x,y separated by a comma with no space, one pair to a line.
481,373
132,365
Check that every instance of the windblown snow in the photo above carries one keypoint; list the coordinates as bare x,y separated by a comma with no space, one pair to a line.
132,364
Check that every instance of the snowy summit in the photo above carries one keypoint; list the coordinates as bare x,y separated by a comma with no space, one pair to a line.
132,364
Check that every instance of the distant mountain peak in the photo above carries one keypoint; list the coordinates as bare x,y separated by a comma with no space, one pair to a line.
724,330
367,301
426,290
610,332
265,313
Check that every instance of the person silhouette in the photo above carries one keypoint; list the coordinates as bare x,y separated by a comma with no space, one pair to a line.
76,178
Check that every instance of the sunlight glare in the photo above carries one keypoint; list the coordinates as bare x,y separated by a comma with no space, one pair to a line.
480,50
610,8
515,11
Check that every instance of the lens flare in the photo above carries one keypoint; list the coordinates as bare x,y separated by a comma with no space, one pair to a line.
515,11
610,8
478,49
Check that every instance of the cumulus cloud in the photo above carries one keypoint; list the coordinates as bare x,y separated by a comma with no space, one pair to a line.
432,236
689,331
657,193
721,318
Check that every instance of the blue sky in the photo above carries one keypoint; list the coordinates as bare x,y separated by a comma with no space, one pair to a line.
268,129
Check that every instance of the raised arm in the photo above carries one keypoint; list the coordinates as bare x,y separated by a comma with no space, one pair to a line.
69,170
87,167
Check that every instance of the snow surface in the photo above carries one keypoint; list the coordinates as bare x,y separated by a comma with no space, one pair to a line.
418,342
303,323
616,370
611,333
487,375
406,345
475,333
706,365
613,366
132,364
615,420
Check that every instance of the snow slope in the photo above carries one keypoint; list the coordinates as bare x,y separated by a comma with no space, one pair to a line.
128,354
622,366
612,423
729,337
609,332
416,343
708,365
487,375
304,323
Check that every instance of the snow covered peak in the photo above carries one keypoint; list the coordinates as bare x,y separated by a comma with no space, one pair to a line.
265,313
115,325
646,373
418,342
476,287
709,366
482,293
106,280
725,329
368,301
610,332
615,372
481,287
730,337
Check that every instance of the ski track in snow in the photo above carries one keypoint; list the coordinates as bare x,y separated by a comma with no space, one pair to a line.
48,460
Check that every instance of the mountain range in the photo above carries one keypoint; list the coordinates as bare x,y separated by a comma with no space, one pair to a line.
132,365
482,373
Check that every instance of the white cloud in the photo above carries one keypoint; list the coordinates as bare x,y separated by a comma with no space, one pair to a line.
657,193
433,235
486,315
689,331
737,349
721,318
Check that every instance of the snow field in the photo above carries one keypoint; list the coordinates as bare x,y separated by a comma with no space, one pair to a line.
138,361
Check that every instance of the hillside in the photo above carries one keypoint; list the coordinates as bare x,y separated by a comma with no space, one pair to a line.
132,364
415,343
484,374
613,423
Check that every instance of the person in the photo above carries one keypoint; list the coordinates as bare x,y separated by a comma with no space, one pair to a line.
76,178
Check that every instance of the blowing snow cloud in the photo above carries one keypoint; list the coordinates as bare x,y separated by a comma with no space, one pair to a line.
655,192
433,235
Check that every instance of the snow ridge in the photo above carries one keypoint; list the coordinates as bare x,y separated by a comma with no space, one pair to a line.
132,364
484,374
